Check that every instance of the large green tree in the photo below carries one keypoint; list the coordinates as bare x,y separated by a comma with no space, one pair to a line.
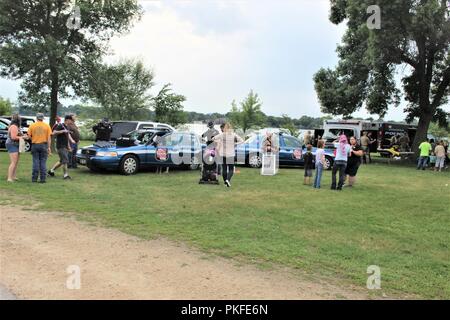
51,45
168,106
412,42
249,113
122,89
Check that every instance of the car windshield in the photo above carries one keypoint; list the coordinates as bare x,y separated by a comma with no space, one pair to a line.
120,128
333,134
178,139
141,136
291,142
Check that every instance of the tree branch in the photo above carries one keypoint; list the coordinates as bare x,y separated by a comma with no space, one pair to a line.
409,60
441,89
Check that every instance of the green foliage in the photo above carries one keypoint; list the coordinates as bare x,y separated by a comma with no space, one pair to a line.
86,132
414,34
6,107
249,115
52,60
168,107
438,131
122,90
287,123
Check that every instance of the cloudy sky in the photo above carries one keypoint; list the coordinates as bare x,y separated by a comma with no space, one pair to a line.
214,51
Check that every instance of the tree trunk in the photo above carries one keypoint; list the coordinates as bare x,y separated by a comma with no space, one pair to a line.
54,95
422,132
54,100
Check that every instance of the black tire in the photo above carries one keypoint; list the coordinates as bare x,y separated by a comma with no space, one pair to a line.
129,165
254,161
27,146
328,163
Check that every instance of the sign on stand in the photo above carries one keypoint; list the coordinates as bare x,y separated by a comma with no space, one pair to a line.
269,164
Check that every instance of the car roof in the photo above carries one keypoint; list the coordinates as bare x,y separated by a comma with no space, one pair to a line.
134,121
23,117
280,133
151,130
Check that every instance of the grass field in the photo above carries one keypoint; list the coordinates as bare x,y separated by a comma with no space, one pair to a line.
397,218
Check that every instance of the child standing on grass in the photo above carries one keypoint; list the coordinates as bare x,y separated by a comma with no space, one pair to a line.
309,165
320,161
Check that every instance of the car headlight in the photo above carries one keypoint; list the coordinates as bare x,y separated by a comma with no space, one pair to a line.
106,154
79,152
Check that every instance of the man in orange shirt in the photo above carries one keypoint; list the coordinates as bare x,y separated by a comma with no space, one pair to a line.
40,134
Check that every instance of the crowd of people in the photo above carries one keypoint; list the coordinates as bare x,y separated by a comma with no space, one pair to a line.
435,154
67,138
349,154
345,167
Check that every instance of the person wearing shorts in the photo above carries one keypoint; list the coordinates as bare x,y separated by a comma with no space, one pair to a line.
12,145
354,161
439,152
309,165
63,147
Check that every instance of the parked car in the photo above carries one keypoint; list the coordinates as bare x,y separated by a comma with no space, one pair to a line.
290,151
144,148
26,122
3,133
6,121
124,127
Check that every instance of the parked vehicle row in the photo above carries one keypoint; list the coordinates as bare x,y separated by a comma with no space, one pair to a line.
141,149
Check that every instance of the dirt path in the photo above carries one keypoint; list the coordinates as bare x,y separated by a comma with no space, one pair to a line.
37,248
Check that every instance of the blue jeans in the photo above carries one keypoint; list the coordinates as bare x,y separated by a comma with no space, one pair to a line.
423,163
40,155
318,177
339,166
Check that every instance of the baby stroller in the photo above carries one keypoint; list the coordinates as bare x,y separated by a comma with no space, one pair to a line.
209,167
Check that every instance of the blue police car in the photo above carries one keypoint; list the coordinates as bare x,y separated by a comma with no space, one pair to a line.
144,148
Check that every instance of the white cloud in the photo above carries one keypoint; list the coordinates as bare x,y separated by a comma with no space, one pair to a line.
216,51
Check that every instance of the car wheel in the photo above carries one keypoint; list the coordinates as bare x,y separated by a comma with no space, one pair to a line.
27,146
328,163
129,165
255,161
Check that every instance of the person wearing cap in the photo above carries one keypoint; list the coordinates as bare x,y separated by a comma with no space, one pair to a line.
63,146
40,135
209,134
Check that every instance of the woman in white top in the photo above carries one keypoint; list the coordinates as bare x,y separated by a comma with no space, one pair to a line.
226,151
